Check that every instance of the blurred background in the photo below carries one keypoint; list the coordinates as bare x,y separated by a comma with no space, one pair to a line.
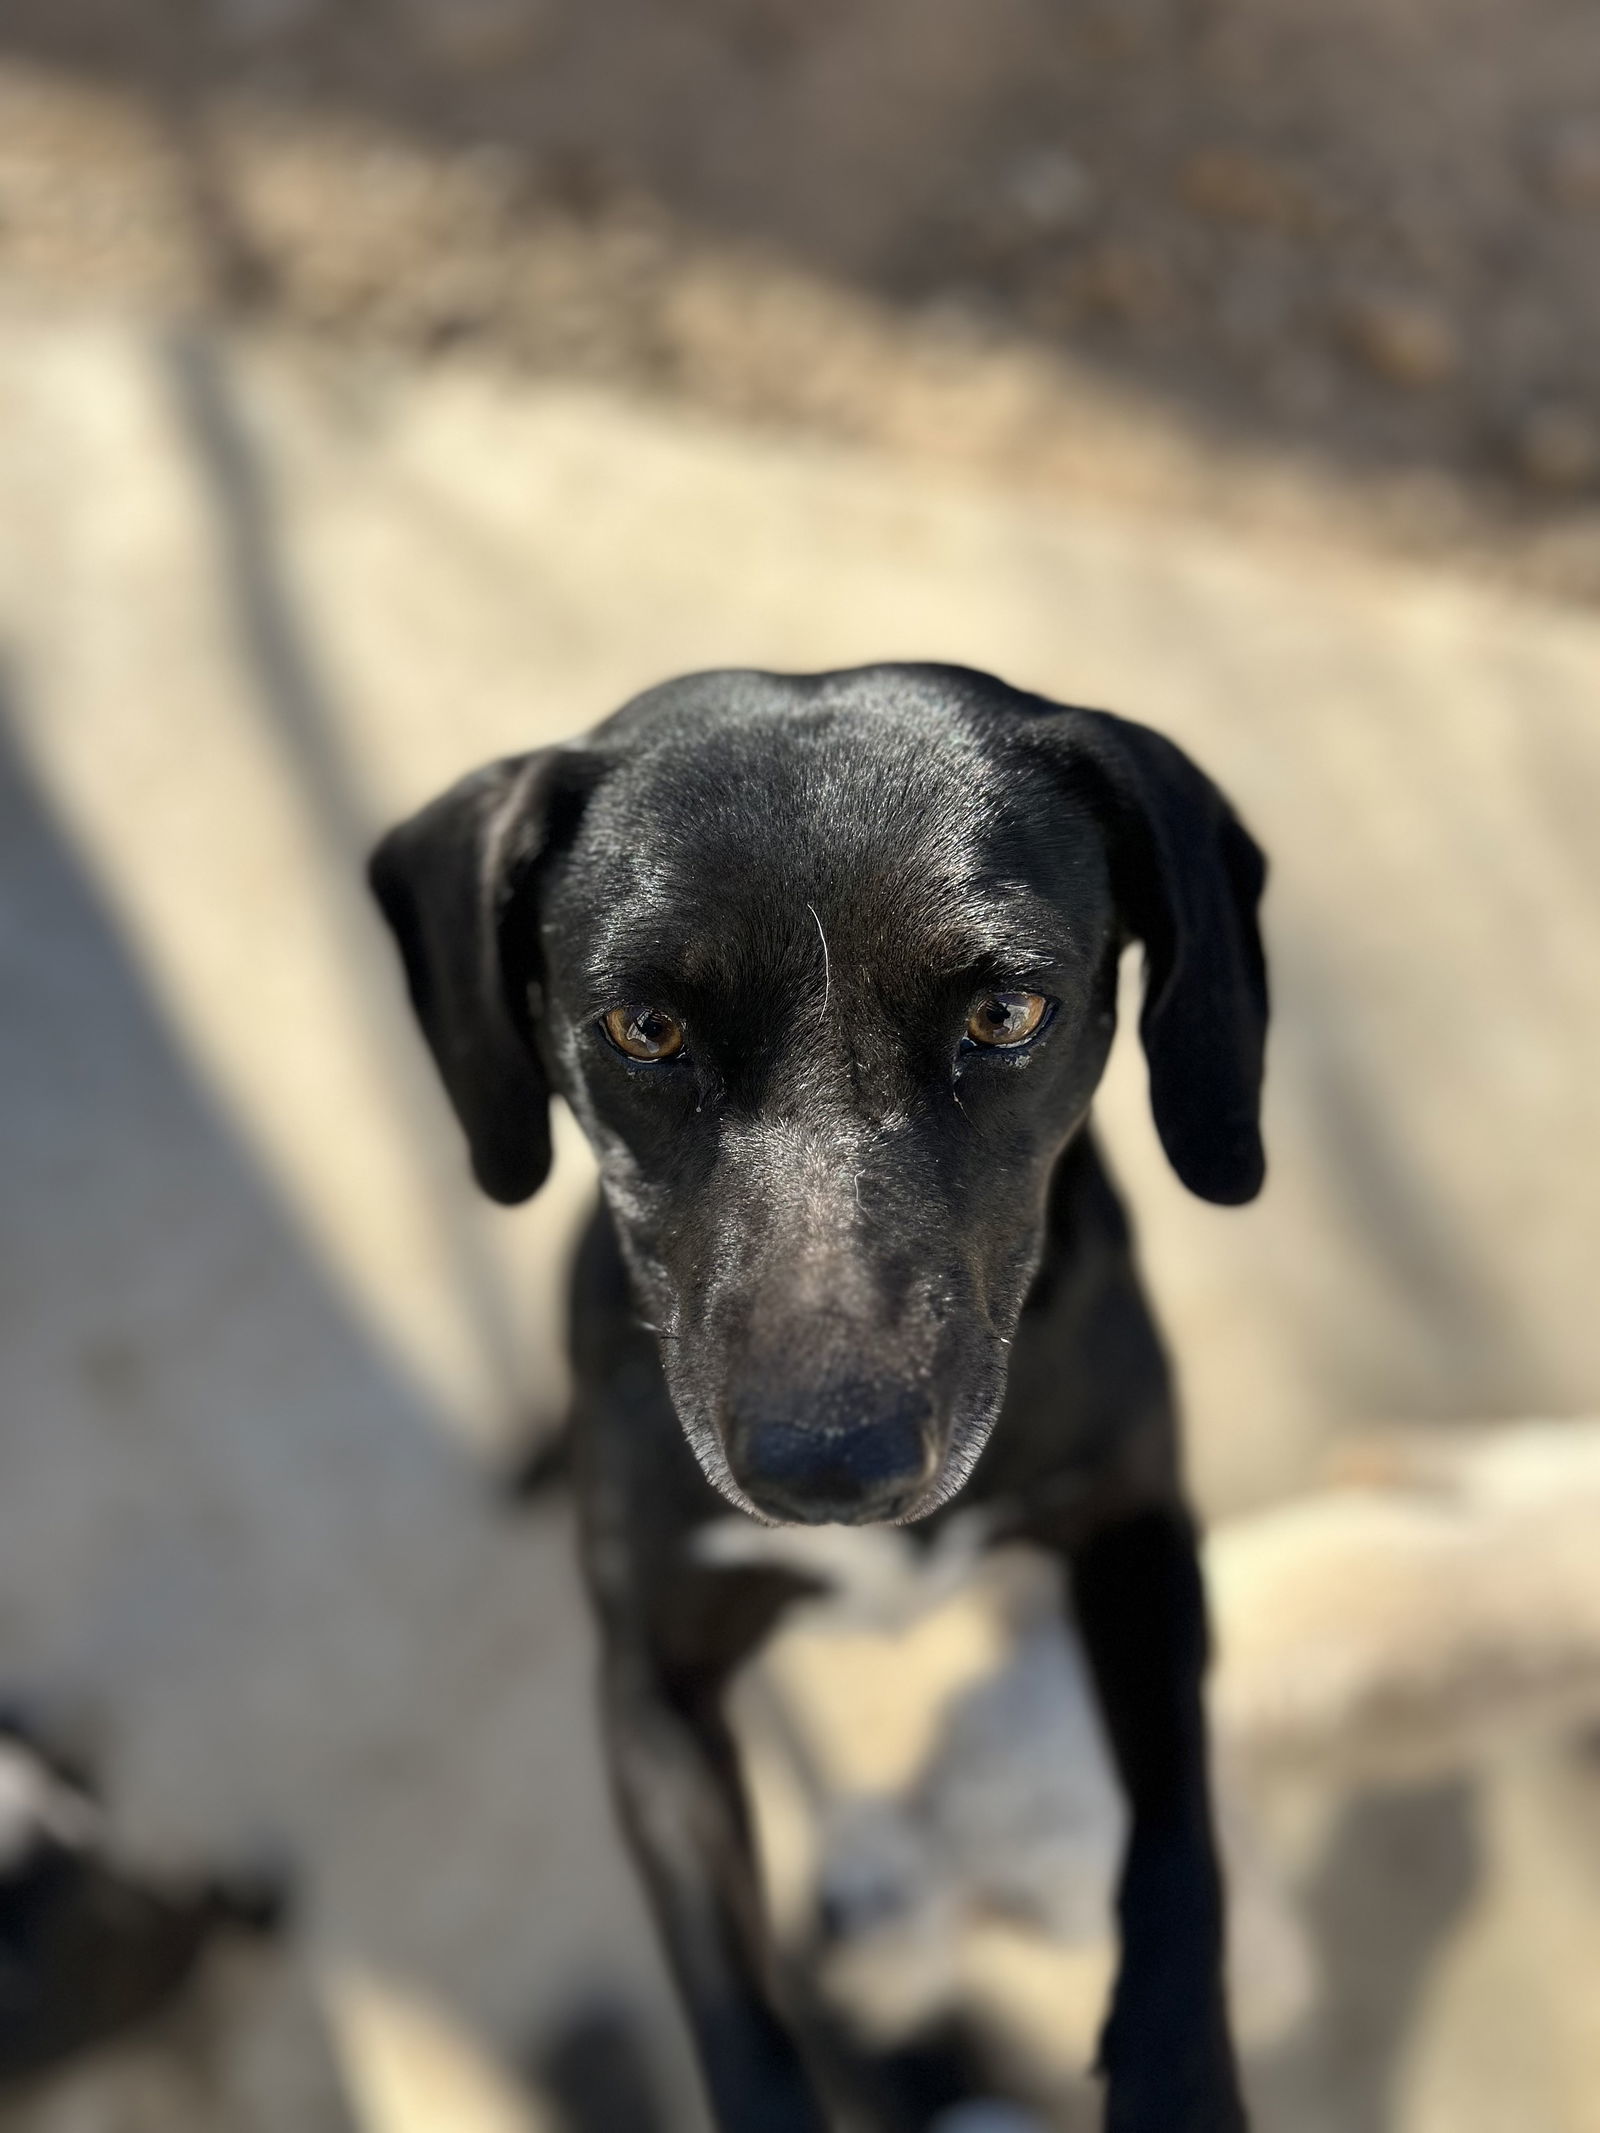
387,384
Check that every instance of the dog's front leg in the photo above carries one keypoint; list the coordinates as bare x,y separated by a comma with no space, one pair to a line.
1166,2050
675,1769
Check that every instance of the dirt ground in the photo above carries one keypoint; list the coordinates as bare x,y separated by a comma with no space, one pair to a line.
1325,269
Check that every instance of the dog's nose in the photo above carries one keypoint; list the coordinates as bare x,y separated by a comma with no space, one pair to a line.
810,1471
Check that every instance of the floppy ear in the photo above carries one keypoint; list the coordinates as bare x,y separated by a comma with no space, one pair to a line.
1188,877
444,880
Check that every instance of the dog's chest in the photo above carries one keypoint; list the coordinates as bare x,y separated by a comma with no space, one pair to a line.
933,1795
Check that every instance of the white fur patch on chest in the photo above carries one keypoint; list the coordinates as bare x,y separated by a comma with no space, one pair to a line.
930,1782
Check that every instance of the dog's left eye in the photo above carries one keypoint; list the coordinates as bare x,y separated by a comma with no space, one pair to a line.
1003,1019
643,1032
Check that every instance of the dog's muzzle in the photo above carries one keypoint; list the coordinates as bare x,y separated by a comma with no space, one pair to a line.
850,1453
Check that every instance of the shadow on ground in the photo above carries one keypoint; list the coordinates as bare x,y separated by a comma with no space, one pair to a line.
1396,1876
235,1537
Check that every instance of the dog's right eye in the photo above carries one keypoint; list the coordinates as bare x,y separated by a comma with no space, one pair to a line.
648,1033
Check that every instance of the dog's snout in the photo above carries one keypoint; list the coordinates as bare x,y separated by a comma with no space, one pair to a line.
851,1456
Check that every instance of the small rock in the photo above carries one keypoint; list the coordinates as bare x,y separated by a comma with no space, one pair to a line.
1558,447
1404,339
1234,185
1572,165
440,332
1120,281
1050,190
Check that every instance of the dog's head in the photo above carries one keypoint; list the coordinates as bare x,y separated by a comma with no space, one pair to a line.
826,968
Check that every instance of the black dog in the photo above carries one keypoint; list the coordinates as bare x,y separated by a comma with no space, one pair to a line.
825,966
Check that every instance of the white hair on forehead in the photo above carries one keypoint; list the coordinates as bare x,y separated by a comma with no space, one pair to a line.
827,959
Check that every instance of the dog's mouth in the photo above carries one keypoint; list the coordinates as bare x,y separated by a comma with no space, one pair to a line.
901,1508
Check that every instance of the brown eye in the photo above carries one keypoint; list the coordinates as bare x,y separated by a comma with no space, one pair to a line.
1006,1018
643,1032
